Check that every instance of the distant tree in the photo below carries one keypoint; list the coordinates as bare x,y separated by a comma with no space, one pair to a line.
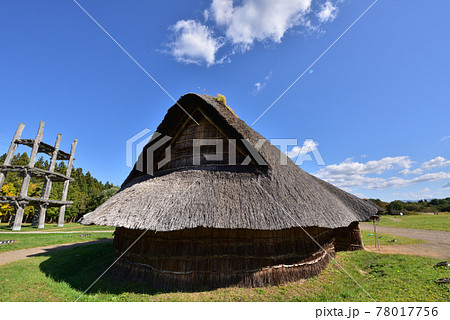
415,206
434,202
395,206
8,190
102,197
383,205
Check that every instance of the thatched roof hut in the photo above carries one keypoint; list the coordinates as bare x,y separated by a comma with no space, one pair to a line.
214,223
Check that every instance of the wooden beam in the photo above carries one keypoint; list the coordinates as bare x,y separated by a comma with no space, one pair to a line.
54,176
26,180
30,200
44,148
62,210
12,149
48,183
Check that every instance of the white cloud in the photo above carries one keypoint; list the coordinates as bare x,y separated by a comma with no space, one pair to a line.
194,43
359,195
349,167
222,11
445,138
355,174
438,162
327,13
425,193
258,86
308,146
446,186
428,177
242,24
306,152
258,20
205,15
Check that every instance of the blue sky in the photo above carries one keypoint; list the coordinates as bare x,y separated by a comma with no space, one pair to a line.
377,103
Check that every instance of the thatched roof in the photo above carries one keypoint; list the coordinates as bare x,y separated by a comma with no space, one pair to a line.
270,197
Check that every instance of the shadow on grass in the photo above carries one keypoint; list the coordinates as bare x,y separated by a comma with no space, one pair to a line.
5,227
25,227
387,277
81,266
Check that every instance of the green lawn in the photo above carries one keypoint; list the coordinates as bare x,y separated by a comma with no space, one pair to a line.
53,227
385,239
24,241
427,222
64,275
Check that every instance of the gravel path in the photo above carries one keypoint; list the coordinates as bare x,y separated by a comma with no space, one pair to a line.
438,245
15,255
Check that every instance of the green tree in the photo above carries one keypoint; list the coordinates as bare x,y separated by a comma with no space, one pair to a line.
383,205
395,207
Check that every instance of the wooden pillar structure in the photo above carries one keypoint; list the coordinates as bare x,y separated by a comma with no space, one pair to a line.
26,180
22,200
48,184
62,210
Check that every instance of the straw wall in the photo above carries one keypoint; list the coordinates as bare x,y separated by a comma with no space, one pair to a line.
349,238
200,258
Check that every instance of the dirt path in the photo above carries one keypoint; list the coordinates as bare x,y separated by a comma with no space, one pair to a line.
438,245
15,255
393,219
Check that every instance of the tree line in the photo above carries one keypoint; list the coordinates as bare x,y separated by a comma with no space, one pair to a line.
397,206
86,192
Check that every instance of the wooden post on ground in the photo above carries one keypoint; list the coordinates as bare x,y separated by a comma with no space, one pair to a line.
48,183
377,241
62,210
26,180
12,149
374,219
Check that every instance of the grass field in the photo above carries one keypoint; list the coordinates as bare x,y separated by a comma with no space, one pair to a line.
24,241
64,275
427,222
54,228
385,239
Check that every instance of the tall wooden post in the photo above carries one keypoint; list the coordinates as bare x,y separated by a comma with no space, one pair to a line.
377,241
26,180
48,183
62,210
12,149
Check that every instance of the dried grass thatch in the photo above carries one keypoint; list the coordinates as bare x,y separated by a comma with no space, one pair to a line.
255,197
